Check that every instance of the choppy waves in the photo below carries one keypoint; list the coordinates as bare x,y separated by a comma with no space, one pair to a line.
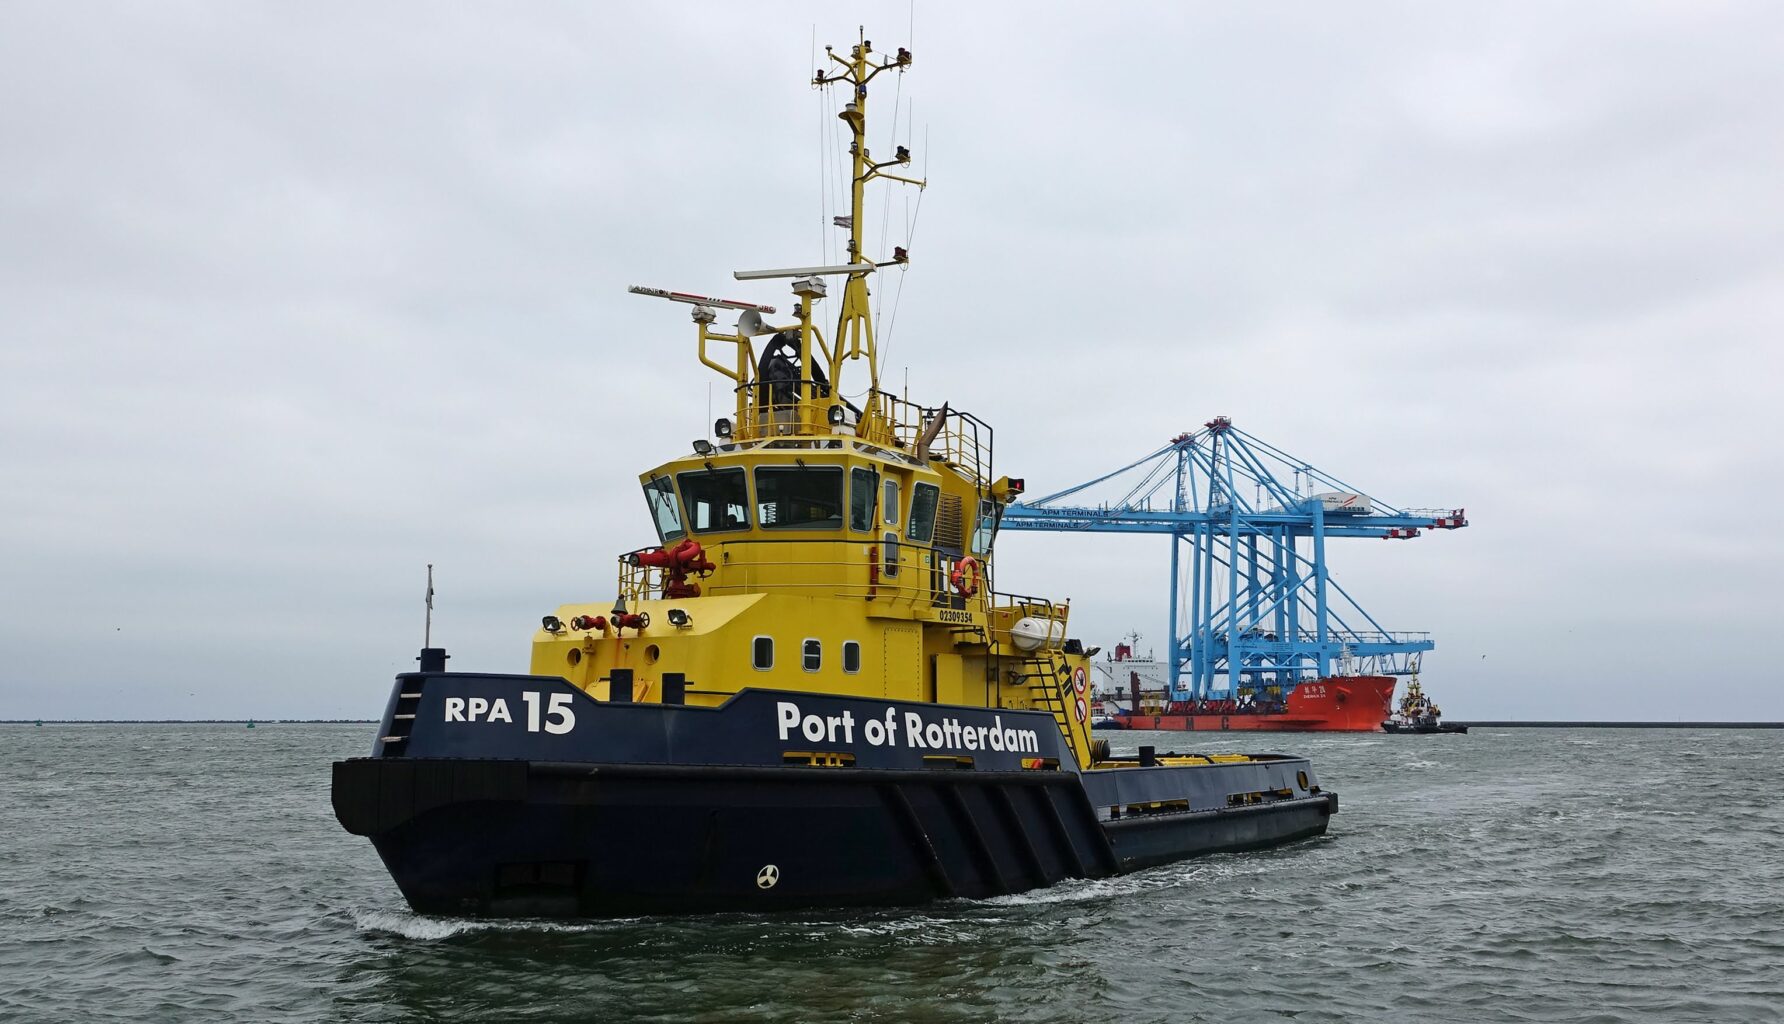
195,873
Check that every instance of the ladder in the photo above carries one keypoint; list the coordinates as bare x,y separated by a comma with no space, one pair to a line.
1048,680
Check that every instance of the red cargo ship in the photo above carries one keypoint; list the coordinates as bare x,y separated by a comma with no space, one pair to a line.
1346,703
1332,704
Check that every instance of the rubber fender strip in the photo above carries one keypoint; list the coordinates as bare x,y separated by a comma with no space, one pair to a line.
1029,852
1139,821
1064,835
970,825
1105,850
894,795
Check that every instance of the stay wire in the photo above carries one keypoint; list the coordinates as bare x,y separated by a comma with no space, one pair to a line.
886,190
823,166
909,235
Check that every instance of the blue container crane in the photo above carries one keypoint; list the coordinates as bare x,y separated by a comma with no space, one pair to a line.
1263,613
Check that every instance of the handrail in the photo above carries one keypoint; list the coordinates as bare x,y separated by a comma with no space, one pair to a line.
912,583
962,440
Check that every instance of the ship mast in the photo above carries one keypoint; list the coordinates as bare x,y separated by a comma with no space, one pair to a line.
854,326
784,390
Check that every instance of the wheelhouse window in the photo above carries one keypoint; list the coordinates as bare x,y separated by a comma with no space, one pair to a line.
762,653
799,497
851,656
889,503
716,500
813,655
665,513
864,487
990,514
922,524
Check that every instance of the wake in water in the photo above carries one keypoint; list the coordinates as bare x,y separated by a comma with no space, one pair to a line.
432,929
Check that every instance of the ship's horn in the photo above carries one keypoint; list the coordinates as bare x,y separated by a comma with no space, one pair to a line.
750,324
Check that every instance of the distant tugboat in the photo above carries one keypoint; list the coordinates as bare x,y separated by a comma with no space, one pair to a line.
1418,714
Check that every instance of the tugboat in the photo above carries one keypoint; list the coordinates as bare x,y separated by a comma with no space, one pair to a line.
1418,714
806,691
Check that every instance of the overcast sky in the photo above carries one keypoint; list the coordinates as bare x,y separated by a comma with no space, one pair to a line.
297,298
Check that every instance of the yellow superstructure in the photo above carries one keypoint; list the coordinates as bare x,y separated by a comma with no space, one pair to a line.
824,544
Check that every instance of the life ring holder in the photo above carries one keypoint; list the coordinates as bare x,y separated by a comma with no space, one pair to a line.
965,577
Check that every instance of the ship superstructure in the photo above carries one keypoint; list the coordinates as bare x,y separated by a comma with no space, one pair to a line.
806,689
827,543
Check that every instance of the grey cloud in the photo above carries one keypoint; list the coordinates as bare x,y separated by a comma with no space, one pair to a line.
299,299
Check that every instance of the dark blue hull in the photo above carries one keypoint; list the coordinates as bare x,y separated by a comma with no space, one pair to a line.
507,835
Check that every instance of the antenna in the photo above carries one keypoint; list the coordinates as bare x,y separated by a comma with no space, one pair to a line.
845,268
698,300
427,632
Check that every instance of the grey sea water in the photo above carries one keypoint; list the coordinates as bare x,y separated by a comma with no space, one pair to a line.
196,873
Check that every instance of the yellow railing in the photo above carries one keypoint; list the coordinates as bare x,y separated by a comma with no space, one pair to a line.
960,439
763,420
854,567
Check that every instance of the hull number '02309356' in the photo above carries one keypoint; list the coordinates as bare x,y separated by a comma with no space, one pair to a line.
559,719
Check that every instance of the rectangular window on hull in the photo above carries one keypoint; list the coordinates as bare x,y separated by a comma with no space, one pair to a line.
864,486
665,513
814,655
923,500
716,500
851,656
762,653
799,497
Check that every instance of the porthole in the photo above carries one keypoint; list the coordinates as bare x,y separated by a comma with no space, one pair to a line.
851,656
762,653
1301,778
813,655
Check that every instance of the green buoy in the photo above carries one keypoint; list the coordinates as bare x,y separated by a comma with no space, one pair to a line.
250,723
